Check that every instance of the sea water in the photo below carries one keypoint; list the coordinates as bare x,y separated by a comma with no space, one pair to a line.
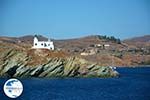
133,84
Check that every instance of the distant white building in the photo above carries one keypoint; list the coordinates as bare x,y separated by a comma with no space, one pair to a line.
106,45
98,45
43,44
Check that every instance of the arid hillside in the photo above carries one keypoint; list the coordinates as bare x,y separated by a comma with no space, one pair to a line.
141,42
103,50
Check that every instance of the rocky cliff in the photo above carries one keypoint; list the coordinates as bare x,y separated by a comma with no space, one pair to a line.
44,63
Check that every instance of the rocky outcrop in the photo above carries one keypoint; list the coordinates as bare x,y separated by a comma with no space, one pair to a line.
15,63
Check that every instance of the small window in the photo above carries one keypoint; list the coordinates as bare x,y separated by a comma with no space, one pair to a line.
35,44
45,45
48,44
42,44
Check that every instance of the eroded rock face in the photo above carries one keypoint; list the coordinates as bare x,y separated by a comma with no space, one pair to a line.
16,64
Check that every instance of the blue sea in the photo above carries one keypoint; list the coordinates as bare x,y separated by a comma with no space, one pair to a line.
133,84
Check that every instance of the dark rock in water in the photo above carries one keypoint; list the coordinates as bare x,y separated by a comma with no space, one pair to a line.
16,64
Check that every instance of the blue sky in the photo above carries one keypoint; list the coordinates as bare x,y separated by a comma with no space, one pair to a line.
61,19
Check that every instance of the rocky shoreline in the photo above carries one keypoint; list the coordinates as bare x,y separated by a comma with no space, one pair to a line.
15,63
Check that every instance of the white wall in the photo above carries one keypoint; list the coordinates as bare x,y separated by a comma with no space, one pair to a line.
43,44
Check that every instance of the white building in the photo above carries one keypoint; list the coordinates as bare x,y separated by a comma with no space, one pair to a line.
106,45
43,44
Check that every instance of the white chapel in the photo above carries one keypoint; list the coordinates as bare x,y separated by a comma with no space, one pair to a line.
43,44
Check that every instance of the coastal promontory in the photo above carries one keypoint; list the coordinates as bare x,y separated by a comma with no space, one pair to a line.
50,64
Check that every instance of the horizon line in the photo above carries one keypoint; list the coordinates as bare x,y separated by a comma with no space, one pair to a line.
82,36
